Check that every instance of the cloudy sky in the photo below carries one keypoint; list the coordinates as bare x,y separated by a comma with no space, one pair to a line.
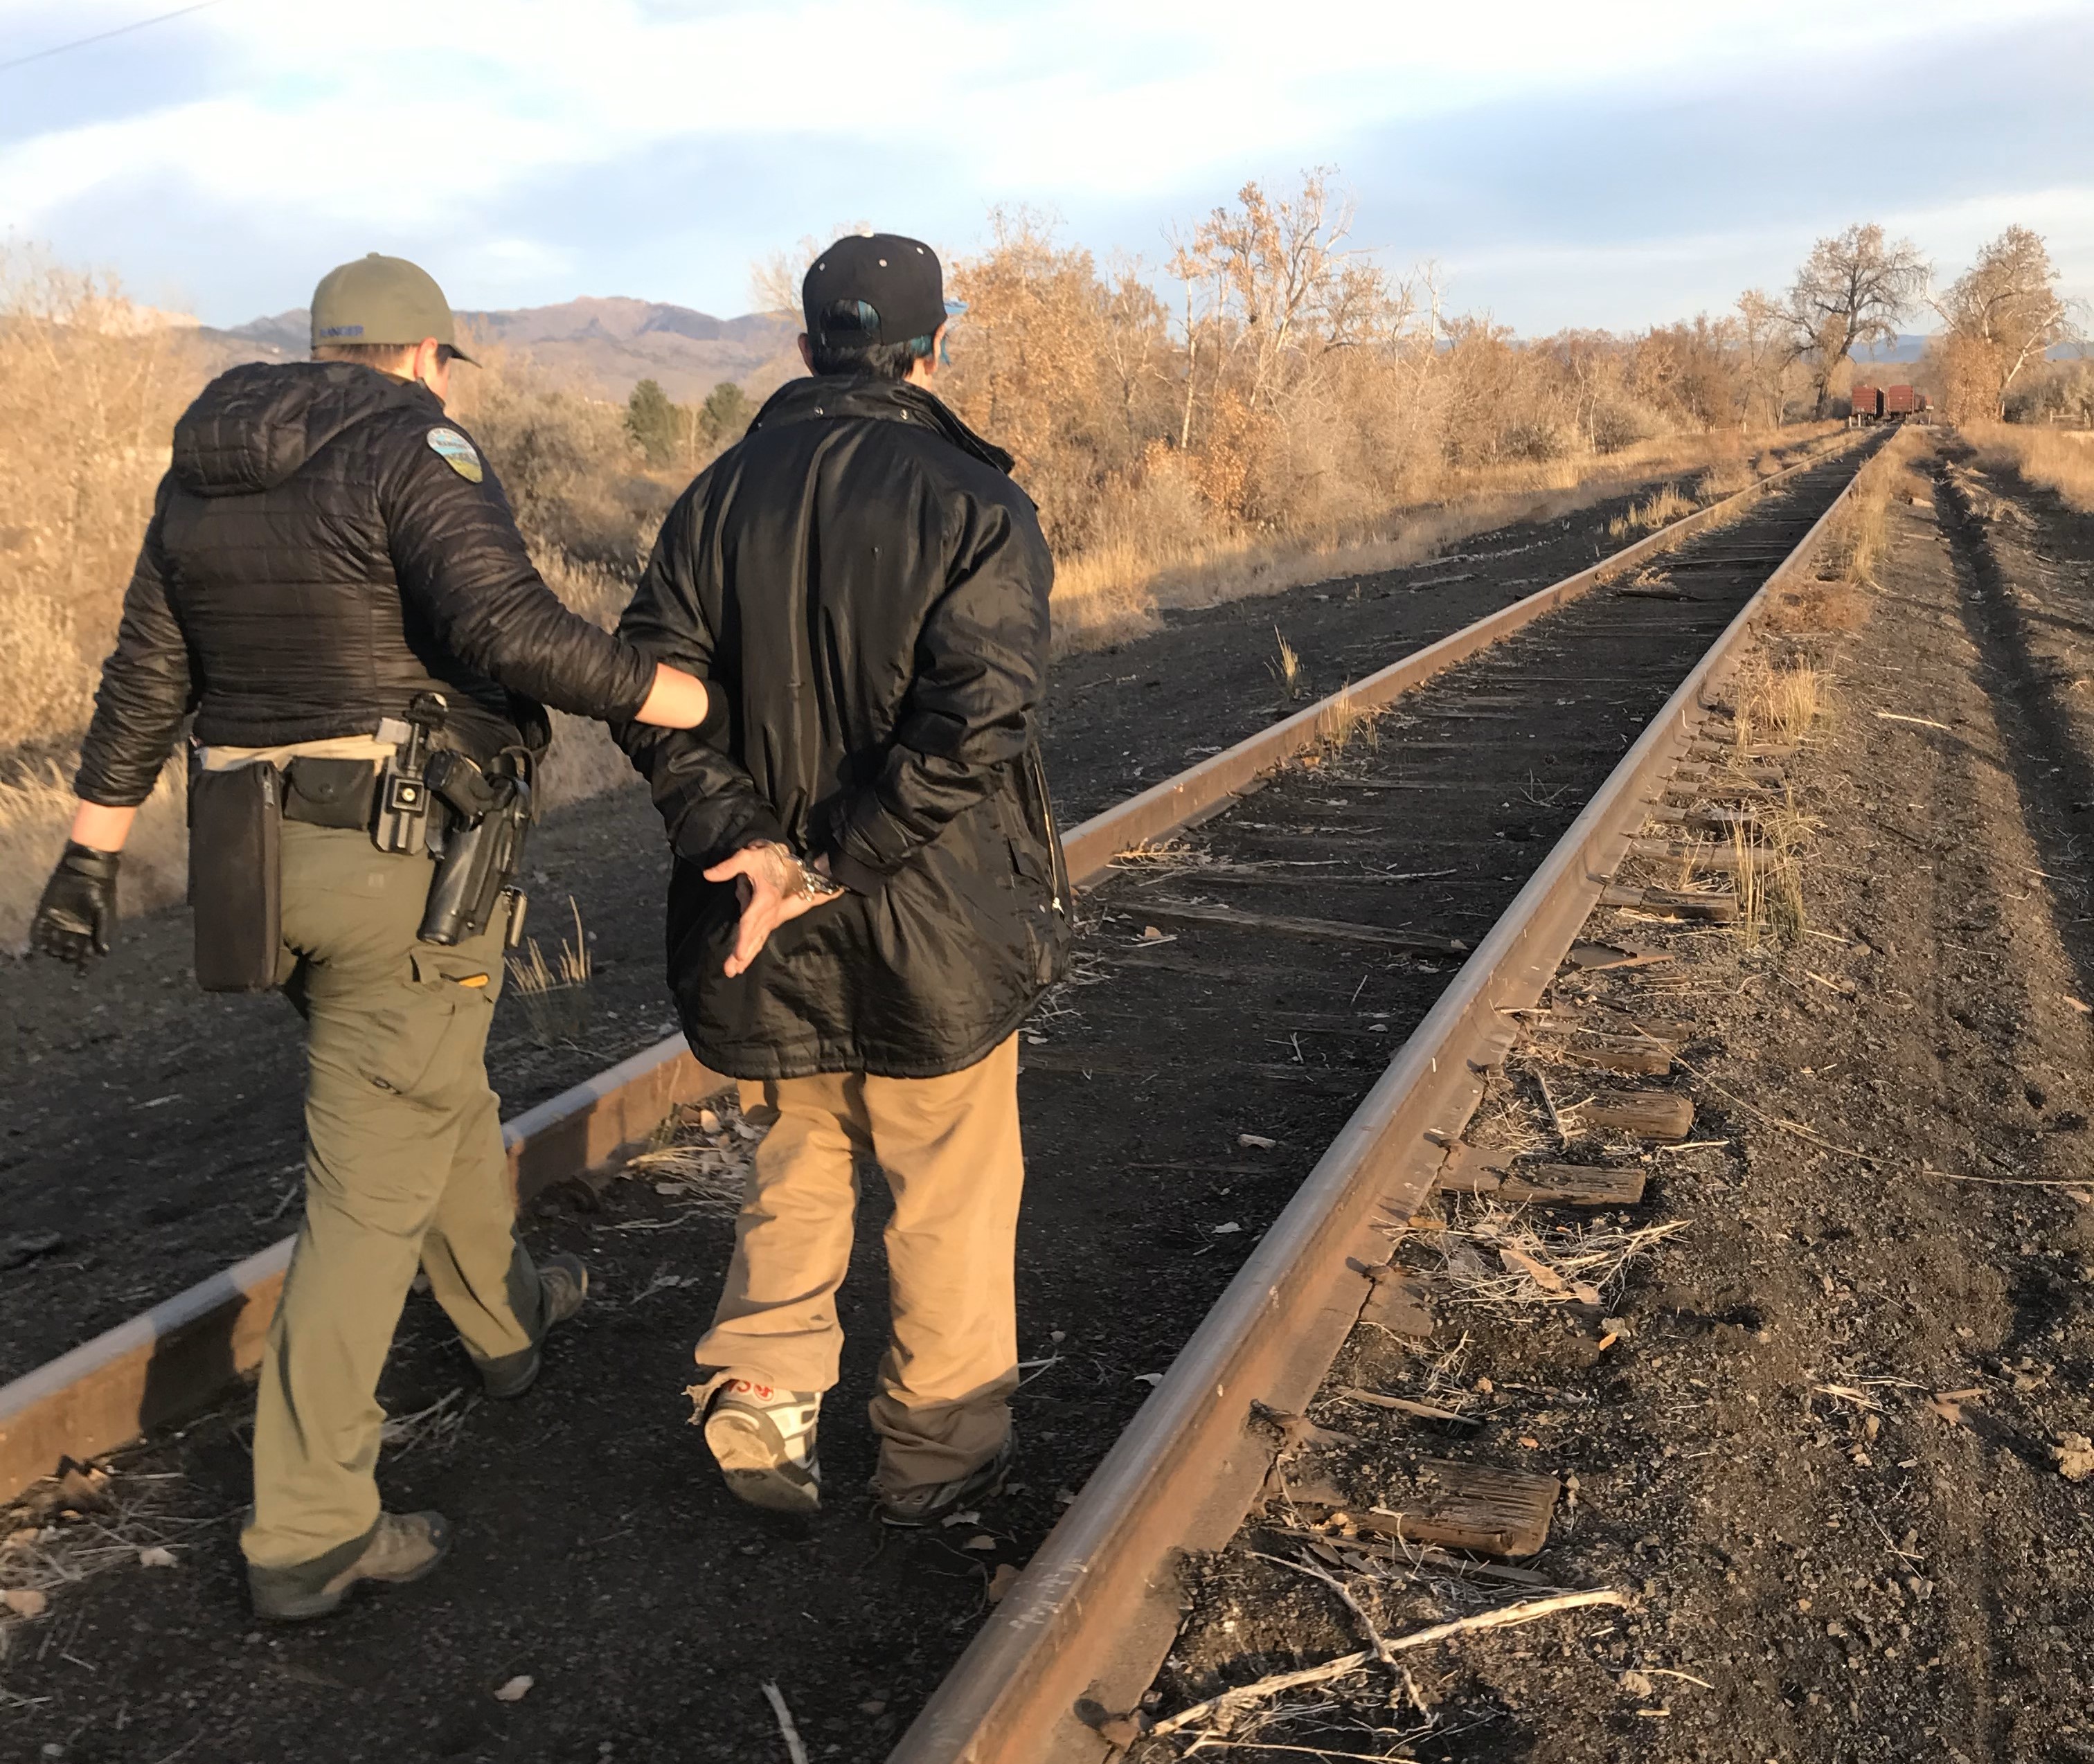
1612,162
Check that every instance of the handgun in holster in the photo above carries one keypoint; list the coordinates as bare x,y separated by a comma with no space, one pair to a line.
403,786
482,848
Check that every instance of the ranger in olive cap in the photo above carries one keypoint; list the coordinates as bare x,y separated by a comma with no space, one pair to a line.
334,588
382,302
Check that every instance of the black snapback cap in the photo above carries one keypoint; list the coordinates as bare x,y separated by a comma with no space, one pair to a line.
892,288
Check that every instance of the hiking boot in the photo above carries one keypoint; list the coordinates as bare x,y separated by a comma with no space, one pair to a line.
763,1438
562,1285
928,1502
400,1548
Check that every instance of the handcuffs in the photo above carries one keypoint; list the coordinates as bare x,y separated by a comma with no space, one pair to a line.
813,885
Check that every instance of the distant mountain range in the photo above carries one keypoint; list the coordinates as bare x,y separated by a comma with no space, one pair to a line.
602,348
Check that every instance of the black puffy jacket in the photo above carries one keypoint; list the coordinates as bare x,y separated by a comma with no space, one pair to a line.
313,563
866,586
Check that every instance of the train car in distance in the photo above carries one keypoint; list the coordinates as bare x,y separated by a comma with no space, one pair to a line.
1899,402
1868,406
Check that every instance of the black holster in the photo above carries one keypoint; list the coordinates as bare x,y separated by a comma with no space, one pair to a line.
235,877
482,842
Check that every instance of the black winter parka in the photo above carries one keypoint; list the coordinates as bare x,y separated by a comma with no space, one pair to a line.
866,586
312,564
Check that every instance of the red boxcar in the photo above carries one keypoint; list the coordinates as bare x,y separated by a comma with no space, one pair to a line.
1868,402
1899,401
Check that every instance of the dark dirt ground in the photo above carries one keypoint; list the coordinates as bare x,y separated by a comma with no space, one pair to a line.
1822,1453
154,1131
598,1553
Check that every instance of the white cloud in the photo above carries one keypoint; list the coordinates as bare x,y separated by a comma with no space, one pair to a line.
422,106
427,122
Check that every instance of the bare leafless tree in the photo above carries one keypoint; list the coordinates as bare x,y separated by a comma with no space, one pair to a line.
1850,292
774,280
1766,346
2006,310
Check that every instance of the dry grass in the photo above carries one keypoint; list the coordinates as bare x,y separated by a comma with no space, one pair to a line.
1286,666
1726,477
1115,590
1835,595
1774,705
704,1169
1767,866
1504,1260
1345,720
554,994
2062,460
1661,508
435,1429
1778,703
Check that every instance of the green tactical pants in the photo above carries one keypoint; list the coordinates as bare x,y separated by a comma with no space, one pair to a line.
404,1167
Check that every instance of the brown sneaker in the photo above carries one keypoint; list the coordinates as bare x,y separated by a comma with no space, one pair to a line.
400,1547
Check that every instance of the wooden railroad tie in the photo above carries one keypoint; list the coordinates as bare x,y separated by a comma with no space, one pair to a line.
1398,1303
1764,777
1636,1054
1456,1505
1672,903
1701,855
1607,1019
1714,823
1717,754
1549,1185
1659,1115
1734,792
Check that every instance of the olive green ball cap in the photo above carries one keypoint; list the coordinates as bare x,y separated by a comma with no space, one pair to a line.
382,300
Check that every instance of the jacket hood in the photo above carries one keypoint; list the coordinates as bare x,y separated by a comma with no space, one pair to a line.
867,395
255,425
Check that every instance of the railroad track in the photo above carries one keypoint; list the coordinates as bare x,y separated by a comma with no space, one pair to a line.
1322,914
1055,1673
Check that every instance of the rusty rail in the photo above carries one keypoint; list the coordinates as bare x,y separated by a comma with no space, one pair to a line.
171,1362
1095,1611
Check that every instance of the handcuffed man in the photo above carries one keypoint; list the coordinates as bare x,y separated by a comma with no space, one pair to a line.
868,893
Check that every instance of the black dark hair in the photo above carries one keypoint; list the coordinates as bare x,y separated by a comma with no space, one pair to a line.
883,360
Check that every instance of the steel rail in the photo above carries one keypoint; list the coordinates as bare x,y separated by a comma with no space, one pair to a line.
1095,1611
171,1362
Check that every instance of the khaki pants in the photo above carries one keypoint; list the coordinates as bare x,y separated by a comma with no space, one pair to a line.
404,1167
949,1150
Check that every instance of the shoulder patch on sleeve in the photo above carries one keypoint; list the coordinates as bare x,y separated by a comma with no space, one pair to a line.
457,453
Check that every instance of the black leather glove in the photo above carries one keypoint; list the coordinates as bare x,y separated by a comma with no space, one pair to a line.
79,906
